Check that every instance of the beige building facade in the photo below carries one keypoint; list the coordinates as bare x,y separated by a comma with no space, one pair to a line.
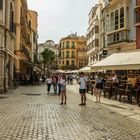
120,30
16,43
73,52
116,29
7,43
50,45
26,38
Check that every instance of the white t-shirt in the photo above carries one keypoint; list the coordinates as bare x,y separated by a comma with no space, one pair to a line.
82,82
49,80
62,82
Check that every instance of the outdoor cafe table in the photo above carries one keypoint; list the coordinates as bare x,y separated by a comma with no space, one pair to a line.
124,89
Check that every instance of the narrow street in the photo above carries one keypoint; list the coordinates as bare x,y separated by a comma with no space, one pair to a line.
30,114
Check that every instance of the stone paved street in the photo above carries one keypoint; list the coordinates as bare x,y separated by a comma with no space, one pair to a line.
31,114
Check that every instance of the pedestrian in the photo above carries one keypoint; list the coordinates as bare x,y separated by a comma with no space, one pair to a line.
83,87
54,82
63,90
49,83
58,83
98,87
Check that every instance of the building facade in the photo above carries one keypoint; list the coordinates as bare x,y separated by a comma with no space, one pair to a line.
7,42
33,26
137,23
93,34
50,45
119,27
26,30
73,52
116,29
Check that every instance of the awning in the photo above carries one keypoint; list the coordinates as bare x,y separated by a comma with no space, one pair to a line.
86,69
119,61
10,53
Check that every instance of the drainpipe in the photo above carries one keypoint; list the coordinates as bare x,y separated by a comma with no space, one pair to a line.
5,54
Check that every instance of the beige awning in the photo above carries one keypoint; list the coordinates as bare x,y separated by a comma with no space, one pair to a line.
12,54
86,69
6,50
119,61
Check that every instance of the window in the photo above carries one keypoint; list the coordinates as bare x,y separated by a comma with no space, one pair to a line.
96,29
122,17
96,42
1,4
67,54
73,44
116,19
60,45
63,44
67,44
112,21
73,54
73,62
67,62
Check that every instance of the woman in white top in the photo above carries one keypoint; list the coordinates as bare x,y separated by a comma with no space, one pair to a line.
62,83
49,83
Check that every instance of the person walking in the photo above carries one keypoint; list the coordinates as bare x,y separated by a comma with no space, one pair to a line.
83,87
49,83
63,90
98,87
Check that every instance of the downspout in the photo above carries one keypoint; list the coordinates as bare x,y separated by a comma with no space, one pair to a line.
5,54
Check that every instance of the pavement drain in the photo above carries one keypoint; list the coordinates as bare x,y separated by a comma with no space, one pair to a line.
2,97
32,94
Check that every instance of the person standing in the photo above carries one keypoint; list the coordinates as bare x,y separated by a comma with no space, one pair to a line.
98,87
83,87
54,81
58,82
63,90
49,83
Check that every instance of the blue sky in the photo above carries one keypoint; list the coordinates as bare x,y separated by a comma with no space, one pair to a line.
58,18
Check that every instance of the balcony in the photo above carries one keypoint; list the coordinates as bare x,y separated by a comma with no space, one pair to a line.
118,37
25,52
137,9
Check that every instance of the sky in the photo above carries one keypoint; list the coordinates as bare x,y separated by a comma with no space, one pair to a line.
59,18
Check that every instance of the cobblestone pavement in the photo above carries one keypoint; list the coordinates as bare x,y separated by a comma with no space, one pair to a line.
31,114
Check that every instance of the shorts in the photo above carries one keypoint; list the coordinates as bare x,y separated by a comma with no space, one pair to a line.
82,91
62,88
99,86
